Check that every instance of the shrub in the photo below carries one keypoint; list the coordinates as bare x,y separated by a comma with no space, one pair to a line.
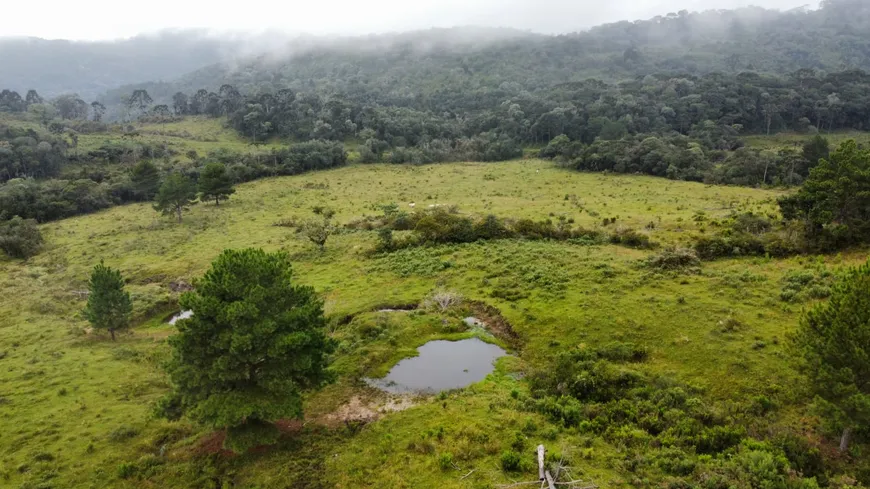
385,239
623,352
445,461
126,470
631,238
751,223
442,299
510,461
727,245
802,456
674,259
20,238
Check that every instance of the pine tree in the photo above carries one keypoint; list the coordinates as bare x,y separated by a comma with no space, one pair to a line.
109,305
255,341
833,342
145,179
176,194
215,183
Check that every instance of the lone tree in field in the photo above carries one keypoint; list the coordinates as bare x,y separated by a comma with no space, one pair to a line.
833,342
176,194
255,342
145,179
318,230
215,183
109,305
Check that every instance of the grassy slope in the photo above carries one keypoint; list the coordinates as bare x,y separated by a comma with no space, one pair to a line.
75,406
201,134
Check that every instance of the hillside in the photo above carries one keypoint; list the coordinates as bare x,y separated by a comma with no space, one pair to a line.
78,405
418,65
55,67
471,258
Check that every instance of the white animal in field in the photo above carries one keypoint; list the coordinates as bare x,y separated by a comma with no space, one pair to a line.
412,204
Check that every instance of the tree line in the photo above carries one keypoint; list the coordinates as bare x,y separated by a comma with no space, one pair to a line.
101,186
750,103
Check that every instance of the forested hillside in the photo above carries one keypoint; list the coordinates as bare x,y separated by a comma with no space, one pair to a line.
403,70
679,96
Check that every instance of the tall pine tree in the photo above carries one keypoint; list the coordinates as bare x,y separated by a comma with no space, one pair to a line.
254,343
109,305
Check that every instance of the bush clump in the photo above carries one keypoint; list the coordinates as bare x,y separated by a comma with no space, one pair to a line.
510,461
674,259
20,238
445,225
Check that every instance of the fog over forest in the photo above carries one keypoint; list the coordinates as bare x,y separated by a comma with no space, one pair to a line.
98,20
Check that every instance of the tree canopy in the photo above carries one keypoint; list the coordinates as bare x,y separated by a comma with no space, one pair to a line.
215,183
255,342
177,193
833,342
833,205
145,179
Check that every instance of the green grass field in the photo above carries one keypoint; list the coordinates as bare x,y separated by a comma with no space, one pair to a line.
200,134
75,408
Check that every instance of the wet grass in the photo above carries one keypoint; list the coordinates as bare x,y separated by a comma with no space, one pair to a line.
75,408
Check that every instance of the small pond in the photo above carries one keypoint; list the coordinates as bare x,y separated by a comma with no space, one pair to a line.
441,365
179,316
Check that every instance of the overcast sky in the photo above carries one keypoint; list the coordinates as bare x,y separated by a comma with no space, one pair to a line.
111,19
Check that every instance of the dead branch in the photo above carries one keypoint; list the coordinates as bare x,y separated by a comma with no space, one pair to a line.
516,484
578,481
466,475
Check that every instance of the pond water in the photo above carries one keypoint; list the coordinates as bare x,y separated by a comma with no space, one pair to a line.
441,365
180,315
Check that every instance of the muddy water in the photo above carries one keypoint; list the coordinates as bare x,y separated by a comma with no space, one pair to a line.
441,365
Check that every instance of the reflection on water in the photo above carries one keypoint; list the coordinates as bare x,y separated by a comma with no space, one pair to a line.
441,365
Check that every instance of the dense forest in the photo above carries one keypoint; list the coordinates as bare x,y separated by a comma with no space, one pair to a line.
408,69
678,95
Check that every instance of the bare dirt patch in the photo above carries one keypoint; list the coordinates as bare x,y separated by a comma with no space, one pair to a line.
360,410
494,322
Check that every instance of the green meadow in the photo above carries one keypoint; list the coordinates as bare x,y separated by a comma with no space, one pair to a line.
76,408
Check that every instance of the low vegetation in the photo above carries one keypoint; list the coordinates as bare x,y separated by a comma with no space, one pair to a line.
441,225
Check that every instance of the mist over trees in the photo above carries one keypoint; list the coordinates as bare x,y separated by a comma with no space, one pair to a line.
672,97
56,67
